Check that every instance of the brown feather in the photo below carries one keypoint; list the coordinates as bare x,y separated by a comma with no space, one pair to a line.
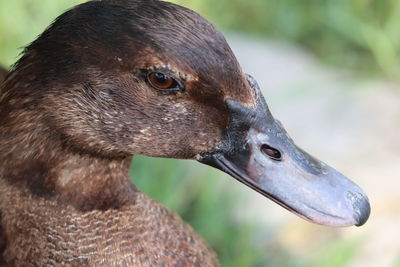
3,73
74,110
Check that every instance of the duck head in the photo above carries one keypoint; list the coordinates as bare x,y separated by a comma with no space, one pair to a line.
120,78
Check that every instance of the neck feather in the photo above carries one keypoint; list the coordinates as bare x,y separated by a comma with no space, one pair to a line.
34,160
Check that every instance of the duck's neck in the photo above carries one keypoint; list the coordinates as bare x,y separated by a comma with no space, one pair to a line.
33,161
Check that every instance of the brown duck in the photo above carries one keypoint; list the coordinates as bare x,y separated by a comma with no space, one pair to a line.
3,73
111,79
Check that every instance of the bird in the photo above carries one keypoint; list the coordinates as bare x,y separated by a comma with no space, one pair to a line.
3,73
111,79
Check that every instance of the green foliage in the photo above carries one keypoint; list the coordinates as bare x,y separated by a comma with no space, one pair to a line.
397,261
22,20
336,254
358,34
362,35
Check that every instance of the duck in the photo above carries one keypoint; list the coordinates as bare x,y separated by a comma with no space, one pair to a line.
111,79
3,73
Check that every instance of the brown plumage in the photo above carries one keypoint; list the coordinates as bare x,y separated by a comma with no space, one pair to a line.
3,73
110,79
77,106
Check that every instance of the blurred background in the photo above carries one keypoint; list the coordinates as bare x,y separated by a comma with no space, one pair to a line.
330,72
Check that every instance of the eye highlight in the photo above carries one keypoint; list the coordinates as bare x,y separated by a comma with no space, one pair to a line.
164,82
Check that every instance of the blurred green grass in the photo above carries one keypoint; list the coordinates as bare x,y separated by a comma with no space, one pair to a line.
22,20
363,35
357,34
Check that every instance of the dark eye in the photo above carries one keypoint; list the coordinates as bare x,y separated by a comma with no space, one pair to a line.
163,81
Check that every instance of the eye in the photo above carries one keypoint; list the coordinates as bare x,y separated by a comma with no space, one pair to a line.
161,81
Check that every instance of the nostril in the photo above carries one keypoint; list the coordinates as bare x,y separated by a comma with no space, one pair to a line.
271,152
